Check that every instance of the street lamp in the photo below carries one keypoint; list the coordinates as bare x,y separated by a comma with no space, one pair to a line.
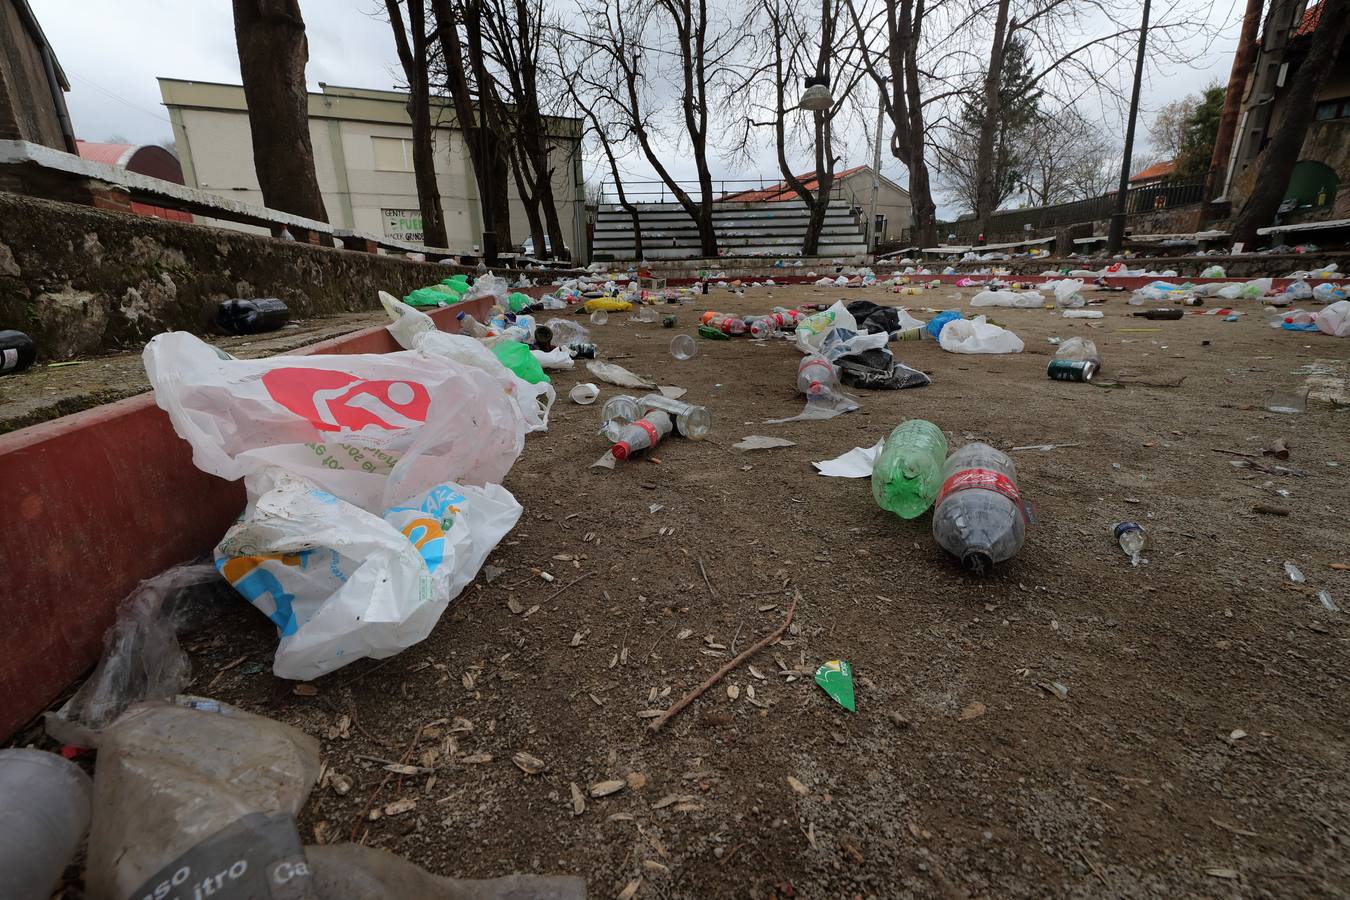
876,166
817,96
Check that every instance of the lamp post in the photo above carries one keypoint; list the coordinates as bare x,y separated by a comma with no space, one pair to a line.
876,167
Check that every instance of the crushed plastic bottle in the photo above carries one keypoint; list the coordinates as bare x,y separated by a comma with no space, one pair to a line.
1294,573
980,517
1132,539
908,471
642,434
254,316
616,414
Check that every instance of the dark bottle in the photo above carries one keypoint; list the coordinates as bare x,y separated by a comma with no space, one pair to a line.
251,316
17,352
1160,314
543,338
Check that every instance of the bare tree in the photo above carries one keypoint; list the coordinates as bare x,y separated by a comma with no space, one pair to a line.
1063,158
273,51
1167,131
480,118
1278,158
622,33
595,98
411,42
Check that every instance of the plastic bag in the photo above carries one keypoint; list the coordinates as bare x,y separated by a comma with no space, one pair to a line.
341,583
141,657
415,330
373,429
518,358
1298,290
557,358
1078,348
1067,294
1213,272
978,336
1335,319
839,342
1256,288
1328,293
489,285
811,330
1018,299
879,370
202,787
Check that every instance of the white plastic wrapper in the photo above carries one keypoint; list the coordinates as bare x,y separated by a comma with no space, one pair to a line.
341,583
1335,319
811,330
978,336
1015,299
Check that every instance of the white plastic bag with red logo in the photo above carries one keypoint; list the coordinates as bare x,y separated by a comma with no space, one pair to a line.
372,481
341,583
372,429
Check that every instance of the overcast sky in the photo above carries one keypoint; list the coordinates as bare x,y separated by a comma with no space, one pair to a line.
112,53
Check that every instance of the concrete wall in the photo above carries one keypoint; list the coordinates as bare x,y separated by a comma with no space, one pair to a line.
213,137
80,280
27,108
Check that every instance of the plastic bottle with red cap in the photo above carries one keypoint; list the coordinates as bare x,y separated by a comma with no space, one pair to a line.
816,376
642,434
980,517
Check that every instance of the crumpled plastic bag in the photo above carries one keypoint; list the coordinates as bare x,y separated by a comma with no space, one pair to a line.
341,583
978,336
557,358
489,285
1335,319
1213,272
811,329
1325,292
142,659
878,369
1017,299
1298,290
364,515
416,330
1066,292
839,342
613,373
373,429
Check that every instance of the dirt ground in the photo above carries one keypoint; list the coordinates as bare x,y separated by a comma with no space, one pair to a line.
1201,749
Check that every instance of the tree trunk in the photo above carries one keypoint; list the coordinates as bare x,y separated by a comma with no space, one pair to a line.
529,198
1277,160
270,35
1232,103
466,116
413,58
989,125
552,223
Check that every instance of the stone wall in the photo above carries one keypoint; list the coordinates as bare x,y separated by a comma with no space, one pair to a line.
1327,142
80,280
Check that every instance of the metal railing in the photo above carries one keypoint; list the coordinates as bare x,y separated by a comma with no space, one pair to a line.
1152,198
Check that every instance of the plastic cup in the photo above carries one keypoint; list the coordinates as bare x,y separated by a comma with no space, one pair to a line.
584,394
1290,402
45,818
683,347
599,317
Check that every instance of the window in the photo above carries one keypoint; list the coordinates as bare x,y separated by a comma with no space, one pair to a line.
1332,109
392,154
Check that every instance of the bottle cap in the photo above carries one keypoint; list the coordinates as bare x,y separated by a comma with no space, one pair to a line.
621,450
1126,527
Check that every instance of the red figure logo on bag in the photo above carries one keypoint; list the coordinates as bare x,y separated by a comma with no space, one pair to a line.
338,401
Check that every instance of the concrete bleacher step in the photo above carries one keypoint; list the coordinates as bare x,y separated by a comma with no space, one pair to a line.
743,229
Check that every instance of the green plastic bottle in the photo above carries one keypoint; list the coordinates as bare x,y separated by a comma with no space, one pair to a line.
908,473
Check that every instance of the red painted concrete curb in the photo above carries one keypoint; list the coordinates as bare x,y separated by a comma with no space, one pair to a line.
98,501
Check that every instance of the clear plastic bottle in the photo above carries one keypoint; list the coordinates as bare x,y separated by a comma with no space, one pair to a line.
1132,539
762,327
691,421
979,517
728,324
642,434
616,415
816,375
908,473
471,326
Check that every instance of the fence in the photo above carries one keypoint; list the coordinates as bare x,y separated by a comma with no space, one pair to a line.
1152,198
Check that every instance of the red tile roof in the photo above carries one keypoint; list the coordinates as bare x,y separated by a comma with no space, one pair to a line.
1155,171
1311,17
782,191
108,154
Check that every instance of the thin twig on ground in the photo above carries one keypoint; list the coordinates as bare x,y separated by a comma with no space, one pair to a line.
1234,452
403,760
711,593
558,593
225,668
659,723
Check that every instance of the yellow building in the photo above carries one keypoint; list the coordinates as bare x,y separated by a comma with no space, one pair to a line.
362,143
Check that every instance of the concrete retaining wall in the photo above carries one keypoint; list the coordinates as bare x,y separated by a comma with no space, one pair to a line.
80,280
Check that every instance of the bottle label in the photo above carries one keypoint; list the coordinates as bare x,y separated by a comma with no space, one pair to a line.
983,479
650,429
11,359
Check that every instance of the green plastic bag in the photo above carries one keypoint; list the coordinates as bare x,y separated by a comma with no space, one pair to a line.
518,358
423,297
518,301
